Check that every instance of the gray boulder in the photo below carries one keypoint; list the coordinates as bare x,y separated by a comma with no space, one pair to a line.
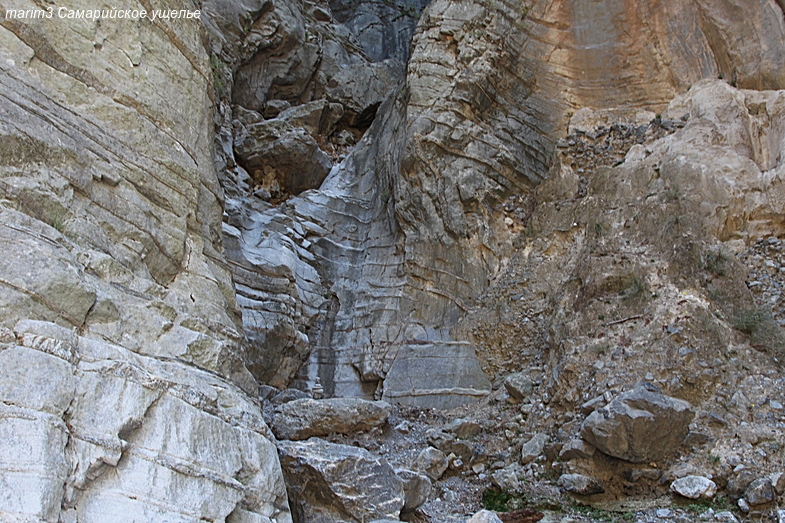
508,478
580,484
327,482
738,484
576,449
533,448
276,150
759,492
694,487
640,425
304,418
432,462
519,385
485,516
463,429
416,489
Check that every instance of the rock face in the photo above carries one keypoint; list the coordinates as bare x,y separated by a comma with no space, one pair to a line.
355,282
303,418
363,218
639,426
98,417
329,482
123,386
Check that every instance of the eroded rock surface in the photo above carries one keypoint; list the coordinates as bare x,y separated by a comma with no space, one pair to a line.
329,482
304,418
641,425
123,388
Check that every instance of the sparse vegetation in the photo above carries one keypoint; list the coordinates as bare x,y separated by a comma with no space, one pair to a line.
58,221
715,262
219,69
495,499
763,331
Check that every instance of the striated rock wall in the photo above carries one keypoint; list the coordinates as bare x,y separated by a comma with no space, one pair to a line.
410,227
123,389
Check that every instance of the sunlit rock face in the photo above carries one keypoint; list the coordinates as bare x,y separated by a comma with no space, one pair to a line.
123,389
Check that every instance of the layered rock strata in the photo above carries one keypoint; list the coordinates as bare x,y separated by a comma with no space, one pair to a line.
410,228
123,389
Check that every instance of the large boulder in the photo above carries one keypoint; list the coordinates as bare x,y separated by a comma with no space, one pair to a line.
416,488
276,150
640,425
304,418
328,482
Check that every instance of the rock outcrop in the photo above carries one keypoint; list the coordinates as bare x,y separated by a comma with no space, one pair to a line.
273,194
362,276
123,388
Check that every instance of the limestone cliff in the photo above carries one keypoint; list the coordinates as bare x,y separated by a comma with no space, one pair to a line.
123,389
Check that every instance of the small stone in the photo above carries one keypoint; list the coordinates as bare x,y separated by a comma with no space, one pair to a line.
778,482
694,487
7,335
403,427
533,448
743,506
776,405
696,438
507,478
449,496
726,517
289,395
592,405
759,492
781,516
463,429
485,516
580,484
576,449
432,462
664,513
739,484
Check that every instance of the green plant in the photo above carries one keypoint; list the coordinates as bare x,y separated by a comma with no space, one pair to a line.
715,262
219,69
495,499
763,331
58,220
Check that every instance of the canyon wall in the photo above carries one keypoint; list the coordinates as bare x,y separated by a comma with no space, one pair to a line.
410,226
123,388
